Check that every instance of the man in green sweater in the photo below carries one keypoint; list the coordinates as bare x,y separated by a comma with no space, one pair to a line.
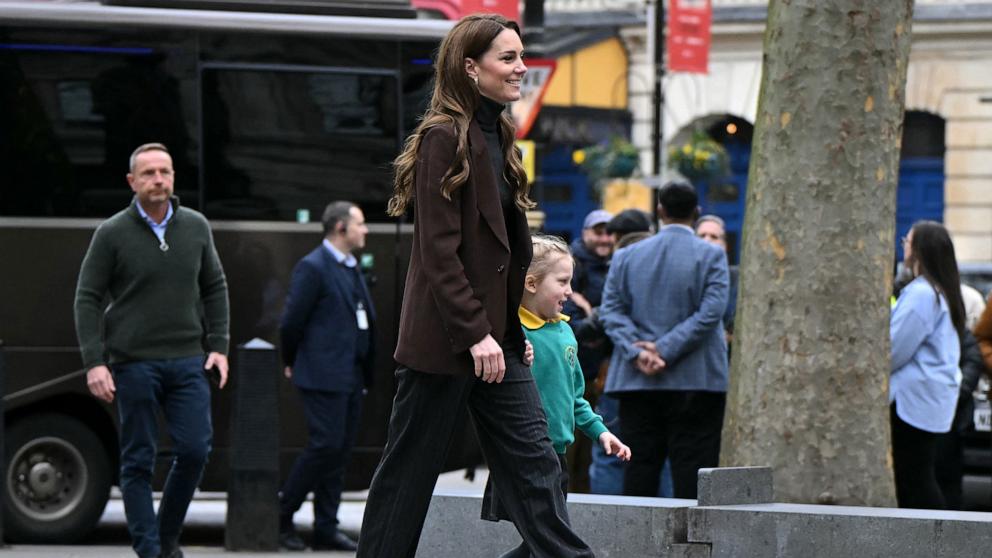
166,324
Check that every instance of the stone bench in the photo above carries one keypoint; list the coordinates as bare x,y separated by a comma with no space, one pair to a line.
810,531
614,526
734,517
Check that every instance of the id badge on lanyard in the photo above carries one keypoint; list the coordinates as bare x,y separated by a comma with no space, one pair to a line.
361,317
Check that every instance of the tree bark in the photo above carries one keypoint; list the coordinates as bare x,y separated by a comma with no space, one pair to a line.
809,381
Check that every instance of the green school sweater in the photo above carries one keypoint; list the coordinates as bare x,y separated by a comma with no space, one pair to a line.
559,380
162,304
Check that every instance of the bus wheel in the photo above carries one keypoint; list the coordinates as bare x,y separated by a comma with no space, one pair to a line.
57,479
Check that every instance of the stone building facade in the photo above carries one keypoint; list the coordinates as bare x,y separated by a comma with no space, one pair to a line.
950,77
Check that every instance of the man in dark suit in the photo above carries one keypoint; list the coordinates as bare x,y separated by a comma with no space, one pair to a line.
662,307
327,346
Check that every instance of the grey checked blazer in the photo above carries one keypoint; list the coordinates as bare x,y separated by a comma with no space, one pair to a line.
670,289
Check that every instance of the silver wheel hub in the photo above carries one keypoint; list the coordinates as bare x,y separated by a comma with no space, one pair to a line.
42,479
47,478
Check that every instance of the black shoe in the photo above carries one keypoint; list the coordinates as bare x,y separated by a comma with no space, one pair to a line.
173,552
338,541
290,540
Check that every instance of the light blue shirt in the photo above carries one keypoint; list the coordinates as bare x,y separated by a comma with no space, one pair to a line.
157,228
925,355
342,258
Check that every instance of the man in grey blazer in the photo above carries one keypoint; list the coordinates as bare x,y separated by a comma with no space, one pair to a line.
662,307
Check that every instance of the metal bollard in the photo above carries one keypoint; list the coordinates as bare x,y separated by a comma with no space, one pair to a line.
253,483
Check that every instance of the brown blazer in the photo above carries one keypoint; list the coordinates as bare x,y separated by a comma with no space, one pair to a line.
465,280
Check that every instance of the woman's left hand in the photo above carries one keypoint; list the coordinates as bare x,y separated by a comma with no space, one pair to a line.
528,353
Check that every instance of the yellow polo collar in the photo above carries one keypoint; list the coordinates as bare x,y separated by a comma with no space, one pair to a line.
531,320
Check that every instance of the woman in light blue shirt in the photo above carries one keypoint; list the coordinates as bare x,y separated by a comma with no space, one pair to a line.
923,389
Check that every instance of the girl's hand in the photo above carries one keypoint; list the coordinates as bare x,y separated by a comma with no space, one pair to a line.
528,353
613,446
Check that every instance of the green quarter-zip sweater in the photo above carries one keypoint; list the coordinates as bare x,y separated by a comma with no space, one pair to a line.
559,380
163,303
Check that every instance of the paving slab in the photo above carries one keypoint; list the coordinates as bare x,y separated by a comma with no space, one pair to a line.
54,551
205,521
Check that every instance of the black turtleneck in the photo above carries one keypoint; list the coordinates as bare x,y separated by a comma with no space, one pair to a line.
487,115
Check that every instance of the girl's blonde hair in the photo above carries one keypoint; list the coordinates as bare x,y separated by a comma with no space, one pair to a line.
547,251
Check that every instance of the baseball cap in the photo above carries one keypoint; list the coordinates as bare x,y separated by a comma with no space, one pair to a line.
596,217
628,221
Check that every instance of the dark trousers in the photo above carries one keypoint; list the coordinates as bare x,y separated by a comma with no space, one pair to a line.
949,465
681,426
579,453
180,388
513,433
492,509
332,424
914,454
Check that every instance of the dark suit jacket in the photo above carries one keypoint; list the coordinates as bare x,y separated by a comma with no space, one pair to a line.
319,327
465,280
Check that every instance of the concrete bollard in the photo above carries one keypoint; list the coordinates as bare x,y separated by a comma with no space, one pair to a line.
253,484
731,486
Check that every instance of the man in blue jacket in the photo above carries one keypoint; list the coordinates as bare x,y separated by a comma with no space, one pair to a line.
662,307
327,347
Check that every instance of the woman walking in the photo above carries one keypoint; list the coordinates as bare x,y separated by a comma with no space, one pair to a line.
460,340
926,323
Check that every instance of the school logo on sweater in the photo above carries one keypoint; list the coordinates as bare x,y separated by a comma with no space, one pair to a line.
570,356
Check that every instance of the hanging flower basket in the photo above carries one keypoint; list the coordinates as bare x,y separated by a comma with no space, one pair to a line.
699,159
617,158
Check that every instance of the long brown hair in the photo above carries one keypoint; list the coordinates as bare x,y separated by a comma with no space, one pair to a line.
453,102
933,249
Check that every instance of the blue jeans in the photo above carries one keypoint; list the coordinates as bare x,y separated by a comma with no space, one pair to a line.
179,386
606,471
332,426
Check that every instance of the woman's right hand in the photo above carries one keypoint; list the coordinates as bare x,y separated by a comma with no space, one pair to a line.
488,358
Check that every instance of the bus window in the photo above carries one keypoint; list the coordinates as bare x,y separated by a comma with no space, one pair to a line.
86,100
333,137
418,79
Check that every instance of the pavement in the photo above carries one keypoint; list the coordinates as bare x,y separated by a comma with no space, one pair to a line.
203,535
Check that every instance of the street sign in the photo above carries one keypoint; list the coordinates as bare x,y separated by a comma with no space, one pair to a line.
535,83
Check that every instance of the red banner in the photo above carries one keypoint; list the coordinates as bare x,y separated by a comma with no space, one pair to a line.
456,9
688,43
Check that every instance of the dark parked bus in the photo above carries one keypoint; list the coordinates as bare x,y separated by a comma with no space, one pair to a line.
269,116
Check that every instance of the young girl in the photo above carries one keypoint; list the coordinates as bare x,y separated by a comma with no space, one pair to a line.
556,369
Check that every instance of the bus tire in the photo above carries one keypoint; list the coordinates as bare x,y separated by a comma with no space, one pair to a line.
56,481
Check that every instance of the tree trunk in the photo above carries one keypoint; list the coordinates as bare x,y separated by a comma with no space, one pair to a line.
809,382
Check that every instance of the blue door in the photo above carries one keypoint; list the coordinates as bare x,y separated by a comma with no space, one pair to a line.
564,193
920,194
725,198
